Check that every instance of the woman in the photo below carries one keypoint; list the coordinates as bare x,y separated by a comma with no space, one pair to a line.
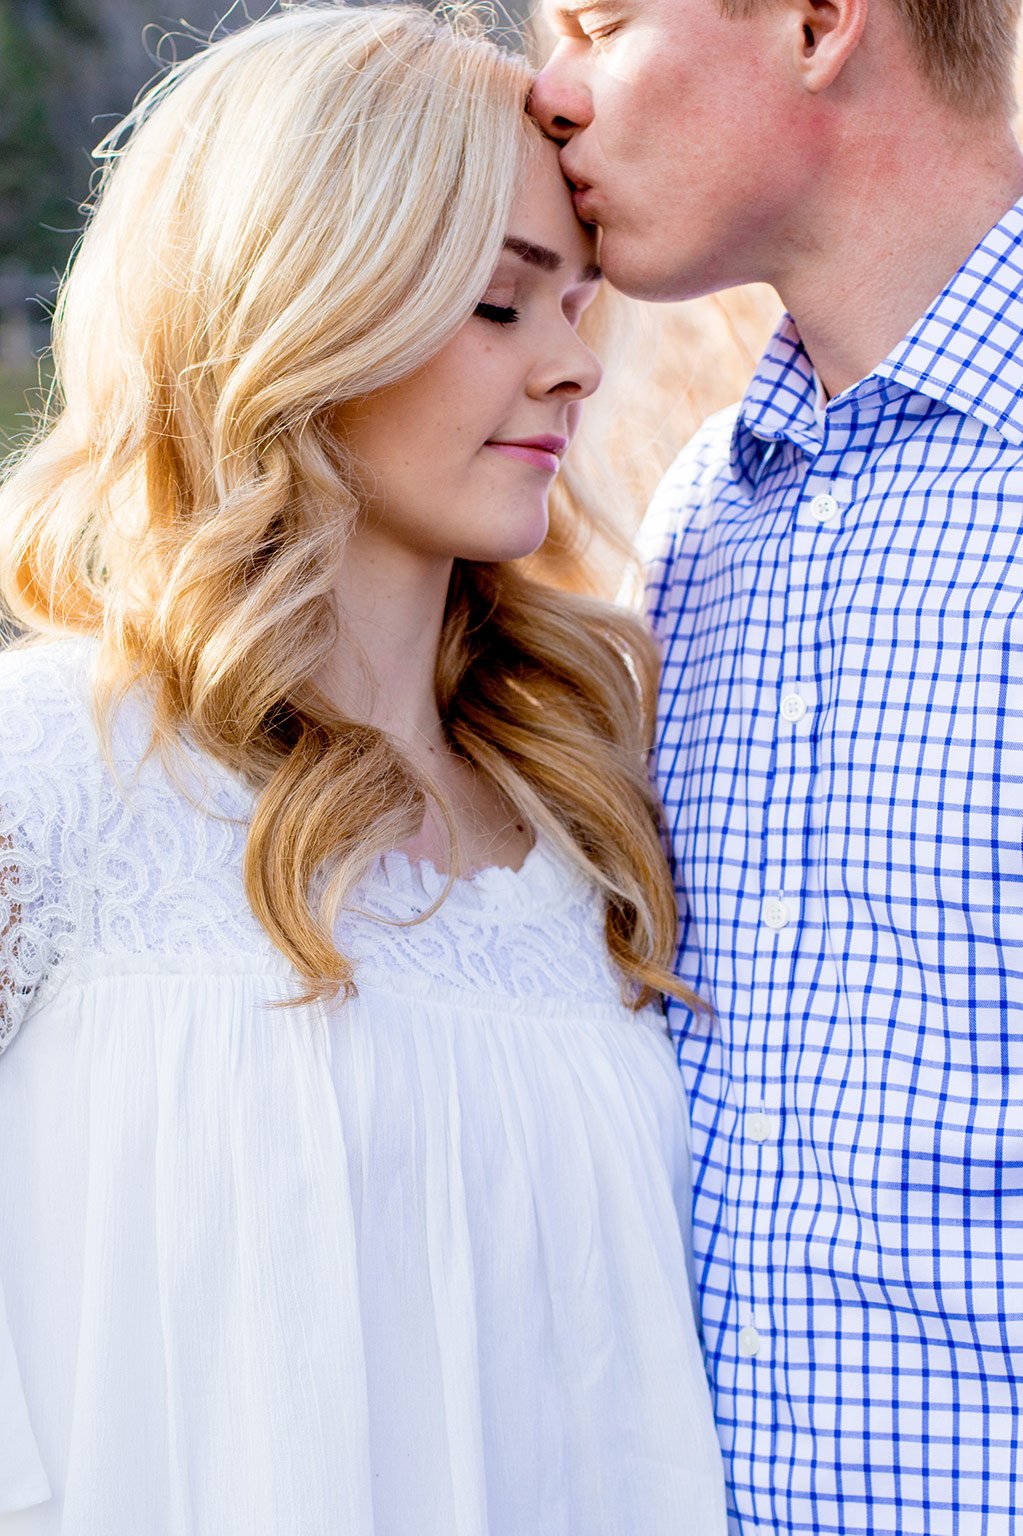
339,1195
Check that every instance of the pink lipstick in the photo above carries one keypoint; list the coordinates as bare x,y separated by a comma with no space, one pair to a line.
541,452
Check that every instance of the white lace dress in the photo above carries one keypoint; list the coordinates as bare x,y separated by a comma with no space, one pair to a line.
414,1266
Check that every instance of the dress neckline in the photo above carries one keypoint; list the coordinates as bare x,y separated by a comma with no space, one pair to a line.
544,875
547,876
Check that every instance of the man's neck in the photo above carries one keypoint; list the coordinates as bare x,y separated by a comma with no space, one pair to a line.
908,215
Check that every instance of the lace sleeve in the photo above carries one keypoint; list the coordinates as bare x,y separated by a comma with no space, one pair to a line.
45,827
34,931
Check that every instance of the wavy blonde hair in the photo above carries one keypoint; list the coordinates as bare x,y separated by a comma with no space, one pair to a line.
299,216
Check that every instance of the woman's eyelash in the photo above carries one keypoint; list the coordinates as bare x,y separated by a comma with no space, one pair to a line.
500,314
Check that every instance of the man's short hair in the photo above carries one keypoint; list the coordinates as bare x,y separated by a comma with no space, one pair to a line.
966,47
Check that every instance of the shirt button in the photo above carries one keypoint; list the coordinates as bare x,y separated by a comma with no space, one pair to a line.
749,1342
759,1127
824,508
776,914
793,707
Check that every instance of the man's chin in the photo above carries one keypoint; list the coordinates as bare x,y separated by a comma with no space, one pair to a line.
629,269
658,278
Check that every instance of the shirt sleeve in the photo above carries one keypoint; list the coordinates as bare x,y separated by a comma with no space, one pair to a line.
682,503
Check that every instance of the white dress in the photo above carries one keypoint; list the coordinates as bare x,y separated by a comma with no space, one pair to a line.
411,1266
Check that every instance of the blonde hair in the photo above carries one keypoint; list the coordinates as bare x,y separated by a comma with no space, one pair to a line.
300,216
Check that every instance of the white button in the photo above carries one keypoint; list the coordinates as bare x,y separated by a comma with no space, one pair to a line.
776,914
759,1127
824,508
793,707
749,1342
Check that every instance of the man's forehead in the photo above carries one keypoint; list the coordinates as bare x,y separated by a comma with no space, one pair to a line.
571,10
577,7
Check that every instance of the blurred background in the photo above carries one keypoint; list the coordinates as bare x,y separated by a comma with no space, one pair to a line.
70,69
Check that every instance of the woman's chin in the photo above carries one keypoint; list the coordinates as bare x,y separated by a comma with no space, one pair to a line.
513,544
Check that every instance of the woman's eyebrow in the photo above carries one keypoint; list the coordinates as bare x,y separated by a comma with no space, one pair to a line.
547,260
534,255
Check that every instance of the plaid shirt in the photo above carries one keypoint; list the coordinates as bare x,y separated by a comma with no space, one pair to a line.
841,758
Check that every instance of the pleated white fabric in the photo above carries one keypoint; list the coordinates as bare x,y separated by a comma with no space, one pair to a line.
415,1266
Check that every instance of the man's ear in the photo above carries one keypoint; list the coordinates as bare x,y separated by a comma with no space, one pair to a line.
826,33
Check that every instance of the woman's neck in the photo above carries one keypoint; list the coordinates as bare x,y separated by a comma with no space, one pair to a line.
383,666
382,671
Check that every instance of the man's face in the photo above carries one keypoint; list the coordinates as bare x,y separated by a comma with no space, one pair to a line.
684,134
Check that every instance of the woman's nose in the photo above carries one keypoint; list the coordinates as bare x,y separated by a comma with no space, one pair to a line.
572,370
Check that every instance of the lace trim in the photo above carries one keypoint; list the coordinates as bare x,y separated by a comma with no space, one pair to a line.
533,934
100,868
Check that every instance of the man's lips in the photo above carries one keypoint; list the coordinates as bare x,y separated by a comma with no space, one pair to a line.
583,201
580,192
541,452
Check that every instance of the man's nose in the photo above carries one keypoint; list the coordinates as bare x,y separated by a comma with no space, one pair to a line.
558,100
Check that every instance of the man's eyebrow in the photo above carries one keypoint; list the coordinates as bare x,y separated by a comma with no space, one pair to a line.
547,260
571,10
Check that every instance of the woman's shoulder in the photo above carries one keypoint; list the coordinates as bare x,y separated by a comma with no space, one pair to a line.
46,705
51,728
50,761
106,857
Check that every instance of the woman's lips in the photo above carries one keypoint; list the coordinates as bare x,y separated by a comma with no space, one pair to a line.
539,455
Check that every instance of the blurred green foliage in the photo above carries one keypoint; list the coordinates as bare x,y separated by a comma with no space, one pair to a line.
29,168
69,69
39,42
21,401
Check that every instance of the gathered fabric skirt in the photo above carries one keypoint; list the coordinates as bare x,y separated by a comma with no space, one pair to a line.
413,1267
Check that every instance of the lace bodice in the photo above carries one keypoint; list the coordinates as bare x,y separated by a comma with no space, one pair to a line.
115,865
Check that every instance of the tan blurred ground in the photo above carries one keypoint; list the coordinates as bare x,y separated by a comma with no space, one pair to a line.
699,358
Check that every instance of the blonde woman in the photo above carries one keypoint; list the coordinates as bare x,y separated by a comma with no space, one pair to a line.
344,1161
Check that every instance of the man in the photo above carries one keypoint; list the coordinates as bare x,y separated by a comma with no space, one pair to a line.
838,582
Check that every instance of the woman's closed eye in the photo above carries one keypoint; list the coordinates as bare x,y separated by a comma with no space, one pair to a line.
498,314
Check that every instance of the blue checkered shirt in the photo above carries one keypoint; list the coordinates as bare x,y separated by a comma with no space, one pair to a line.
841,758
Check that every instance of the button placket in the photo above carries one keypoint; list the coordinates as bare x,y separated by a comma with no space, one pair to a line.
789,606
787,818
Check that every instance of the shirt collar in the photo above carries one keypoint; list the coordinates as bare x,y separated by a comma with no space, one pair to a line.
781,399
966,352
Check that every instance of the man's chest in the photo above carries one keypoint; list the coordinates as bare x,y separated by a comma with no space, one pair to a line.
840,745
837,626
